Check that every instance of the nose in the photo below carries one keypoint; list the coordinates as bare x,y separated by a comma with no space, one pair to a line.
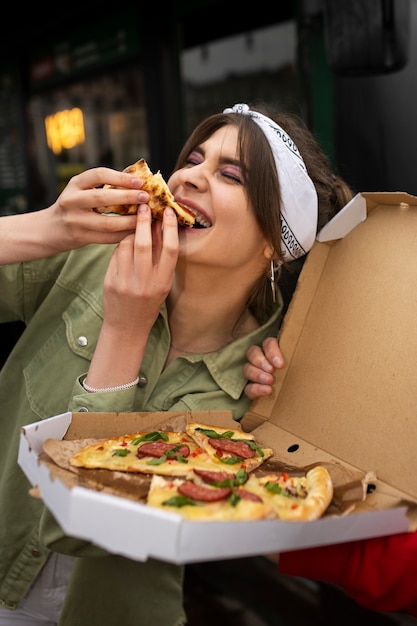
195,176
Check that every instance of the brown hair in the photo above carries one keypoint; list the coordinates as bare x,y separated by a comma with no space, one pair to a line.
262,184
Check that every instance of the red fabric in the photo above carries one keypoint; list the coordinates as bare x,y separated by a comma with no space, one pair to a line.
379,573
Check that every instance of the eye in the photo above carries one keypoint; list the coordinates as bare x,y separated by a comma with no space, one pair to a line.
193,159
233,173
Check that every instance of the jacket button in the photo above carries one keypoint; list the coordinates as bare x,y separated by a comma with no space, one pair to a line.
82,341
143,381
36,553
83,409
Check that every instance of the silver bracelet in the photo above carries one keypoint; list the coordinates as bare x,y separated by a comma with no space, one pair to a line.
108,389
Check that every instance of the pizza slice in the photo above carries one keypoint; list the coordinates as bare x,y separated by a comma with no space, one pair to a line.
208,496
295,498
217,496
155,452
227,447
160,196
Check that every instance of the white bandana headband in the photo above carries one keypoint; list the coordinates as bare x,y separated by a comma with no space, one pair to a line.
299,202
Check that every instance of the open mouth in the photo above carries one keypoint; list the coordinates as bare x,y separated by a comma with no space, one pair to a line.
200,222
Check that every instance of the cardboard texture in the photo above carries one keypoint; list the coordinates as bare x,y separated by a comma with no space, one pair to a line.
344,399
349,342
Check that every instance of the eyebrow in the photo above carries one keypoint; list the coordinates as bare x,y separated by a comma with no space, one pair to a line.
223,160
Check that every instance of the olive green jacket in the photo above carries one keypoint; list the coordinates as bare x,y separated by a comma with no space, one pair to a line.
60,301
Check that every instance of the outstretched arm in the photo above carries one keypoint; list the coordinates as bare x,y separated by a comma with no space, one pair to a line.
70,222
379,573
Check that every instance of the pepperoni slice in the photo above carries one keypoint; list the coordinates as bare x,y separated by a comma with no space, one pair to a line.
157,449
248,495
236,448
204,494
211,476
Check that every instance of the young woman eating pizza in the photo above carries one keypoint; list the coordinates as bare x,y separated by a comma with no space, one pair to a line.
162,321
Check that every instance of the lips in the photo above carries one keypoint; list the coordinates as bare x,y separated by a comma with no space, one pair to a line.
201,220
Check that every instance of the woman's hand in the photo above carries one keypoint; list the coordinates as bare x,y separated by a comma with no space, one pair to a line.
72,221
262,363
137,282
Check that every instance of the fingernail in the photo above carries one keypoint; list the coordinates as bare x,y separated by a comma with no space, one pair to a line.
143,197
265,379
267,367
277,361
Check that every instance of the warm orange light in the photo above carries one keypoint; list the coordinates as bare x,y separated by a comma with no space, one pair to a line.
65,129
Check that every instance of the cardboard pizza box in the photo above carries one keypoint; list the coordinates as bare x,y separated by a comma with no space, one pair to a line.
345,398
349,339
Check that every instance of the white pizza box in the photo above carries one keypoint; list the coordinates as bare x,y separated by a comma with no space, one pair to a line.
346,397
137,531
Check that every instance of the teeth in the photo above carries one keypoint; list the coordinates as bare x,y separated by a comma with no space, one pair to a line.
202,222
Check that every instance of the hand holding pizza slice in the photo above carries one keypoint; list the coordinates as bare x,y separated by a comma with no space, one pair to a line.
160,196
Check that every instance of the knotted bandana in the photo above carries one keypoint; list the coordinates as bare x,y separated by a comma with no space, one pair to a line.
299,202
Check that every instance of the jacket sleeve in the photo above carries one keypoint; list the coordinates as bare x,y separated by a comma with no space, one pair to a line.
379,573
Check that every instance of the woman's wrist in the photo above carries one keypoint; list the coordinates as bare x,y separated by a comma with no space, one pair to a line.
122,387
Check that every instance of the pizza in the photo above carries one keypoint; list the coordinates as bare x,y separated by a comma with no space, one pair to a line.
229,448
173,453
160,196
302,498
208,472
217,496
155,452
208,496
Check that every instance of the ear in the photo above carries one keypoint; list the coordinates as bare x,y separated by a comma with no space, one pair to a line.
269,252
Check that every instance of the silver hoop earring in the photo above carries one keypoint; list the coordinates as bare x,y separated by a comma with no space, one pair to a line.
272,281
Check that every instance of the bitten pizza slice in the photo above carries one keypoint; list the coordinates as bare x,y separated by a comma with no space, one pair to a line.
160,196
208,496
229,447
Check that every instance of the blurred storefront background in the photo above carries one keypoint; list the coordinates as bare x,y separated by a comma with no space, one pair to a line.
91,85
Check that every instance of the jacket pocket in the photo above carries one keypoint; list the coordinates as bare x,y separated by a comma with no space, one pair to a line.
63,357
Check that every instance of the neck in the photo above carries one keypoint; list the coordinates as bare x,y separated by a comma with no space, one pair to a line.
206,329
205,313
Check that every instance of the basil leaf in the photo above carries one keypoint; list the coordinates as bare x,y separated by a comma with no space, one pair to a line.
155,435
179,501
254,446
121,452
182,459
212,434
231,460
157,461
234,499
275,488
241,477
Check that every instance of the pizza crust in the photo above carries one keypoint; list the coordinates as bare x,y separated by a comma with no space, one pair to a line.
313,494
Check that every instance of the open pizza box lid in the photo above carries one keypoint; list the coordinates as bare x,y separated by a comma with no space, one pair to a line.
346,398
349,340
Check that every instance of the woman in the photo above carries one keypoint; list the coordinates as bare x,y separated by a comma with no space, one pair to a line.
160,322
